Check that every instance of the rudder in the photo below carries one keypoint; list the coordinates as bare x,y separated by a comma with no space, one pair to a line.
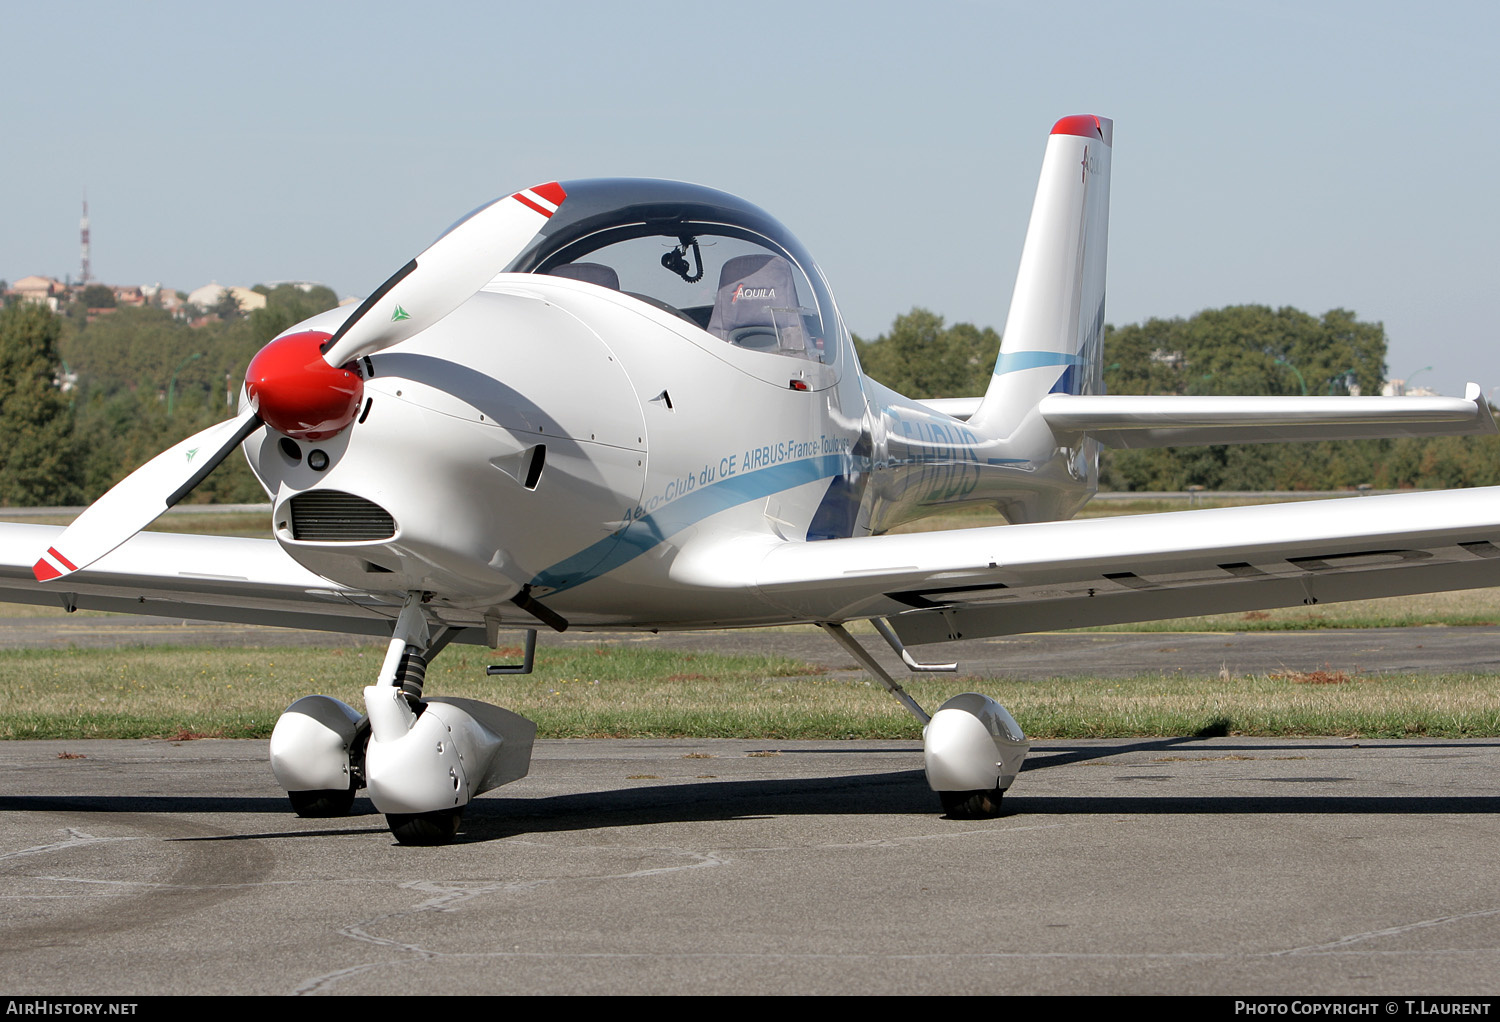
1054,332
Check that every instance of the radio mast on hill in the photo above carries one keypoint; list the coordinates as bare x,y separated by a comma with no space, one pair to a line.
83,232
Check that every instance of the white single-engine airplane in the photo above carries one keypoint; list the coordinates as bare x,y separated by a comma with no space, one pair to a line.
633,404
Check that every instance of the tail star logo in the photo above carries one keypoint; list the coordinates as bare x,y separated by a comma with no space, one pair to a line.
399,315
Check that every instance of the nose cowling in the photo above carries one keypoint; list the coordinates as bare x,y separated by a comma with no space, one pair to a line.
297,392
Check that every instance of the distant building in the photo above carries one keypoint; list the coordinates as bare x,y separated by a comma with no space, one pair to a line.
209,295
1170,359
41,290
1398,388
162,297
305,286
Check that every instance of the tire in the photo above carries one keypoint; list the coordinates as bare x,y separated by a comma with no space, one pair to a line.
323,803
972,805
435,828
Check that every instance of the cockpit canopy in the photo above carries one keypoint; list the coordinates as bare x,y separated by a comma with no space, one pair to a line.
704,255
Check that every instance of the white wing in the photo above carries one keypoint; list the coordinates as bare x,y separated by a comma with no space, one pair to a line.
932,586
1021,578
211,578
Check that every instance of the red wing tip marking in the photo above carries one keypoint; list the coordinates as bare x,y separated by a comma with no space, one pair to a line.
1083,125
44,571
543,198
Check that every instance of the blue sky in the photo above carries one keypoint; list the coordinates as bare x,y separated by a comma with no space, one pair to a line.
1318,155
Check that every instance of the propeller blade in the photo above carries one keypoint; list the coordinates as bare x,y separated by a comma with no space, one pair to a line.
139,499
446,275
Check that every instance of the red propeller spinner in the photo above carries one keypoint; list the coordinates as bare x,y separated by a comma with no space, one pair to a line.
296,392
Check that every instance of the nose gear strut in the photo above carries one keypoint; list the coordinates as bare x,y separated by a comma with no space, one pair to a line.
411,674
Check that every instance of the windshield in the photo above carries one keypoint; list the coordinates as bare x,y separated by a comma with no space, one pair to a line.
706,256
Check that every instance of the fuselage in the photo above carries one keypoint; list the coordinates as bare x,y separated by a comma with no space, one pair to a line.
575,443
565,439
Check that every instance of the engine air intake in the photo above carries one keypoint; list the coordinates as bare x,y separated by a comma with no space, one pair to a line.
332,516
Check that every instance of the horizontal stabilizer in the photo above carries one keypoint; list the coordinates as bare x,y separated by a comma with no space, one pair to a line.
1135,421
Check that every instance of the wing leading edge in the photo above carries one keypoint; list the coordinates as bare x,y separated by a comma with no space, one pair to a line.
210,578
1009,579
932,586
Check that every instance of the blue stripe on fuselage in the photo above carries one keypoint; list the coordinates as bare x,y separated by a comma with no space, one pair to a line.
646,532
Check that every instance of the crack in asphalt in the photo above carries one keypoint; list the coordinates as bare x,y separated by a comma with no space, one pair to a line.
75,839
449,896
1390,931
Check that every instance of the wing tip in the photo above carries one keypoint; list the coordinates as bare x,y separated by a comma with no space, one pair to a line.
44,571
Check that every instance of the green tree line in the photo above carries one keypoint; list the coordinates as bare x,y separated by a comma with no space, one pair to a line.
137,381
1243,349
141,381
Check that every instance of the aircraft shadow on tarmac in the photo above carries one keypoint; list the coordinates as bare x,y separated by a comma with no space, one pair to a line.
900,792
1059,755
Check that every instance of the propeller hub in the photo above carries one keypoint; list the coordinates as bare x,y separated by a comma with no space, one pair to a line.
296,392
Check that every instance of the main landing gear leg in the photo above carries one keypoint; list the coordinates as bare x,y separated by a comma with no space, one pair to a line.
421,759
973,747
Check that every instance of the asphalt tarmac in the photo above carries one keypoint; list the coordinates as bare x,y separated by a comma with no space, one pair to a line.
1229,866
1221,866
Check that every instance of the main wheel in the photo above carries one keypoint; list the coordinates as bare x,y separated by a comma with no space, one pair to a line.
435,828
972,805
323,803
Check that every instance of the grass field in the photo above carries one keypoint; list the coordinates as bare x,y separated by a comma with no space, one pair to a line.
617,691
182,519
624,692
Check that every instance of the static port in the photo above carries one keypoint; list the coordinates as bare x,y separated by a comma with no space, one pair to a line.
290,449
317,460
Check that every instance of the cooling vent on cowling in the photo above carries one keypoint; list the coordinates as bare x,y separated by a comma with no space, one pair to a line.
331,516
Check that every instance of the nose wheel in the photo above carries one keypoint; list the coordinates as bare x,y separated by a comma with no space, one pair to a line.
971,805
435,828
322,804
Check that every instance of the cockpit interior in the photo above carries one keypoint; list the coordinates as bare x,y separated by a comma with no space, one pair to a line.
704,256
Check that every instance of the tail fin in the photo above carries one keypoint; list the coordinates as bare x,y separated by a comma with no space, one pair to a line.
1054,332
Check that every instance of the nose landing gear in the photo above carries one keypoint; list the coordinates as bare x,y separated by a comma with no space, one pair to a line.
420,760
